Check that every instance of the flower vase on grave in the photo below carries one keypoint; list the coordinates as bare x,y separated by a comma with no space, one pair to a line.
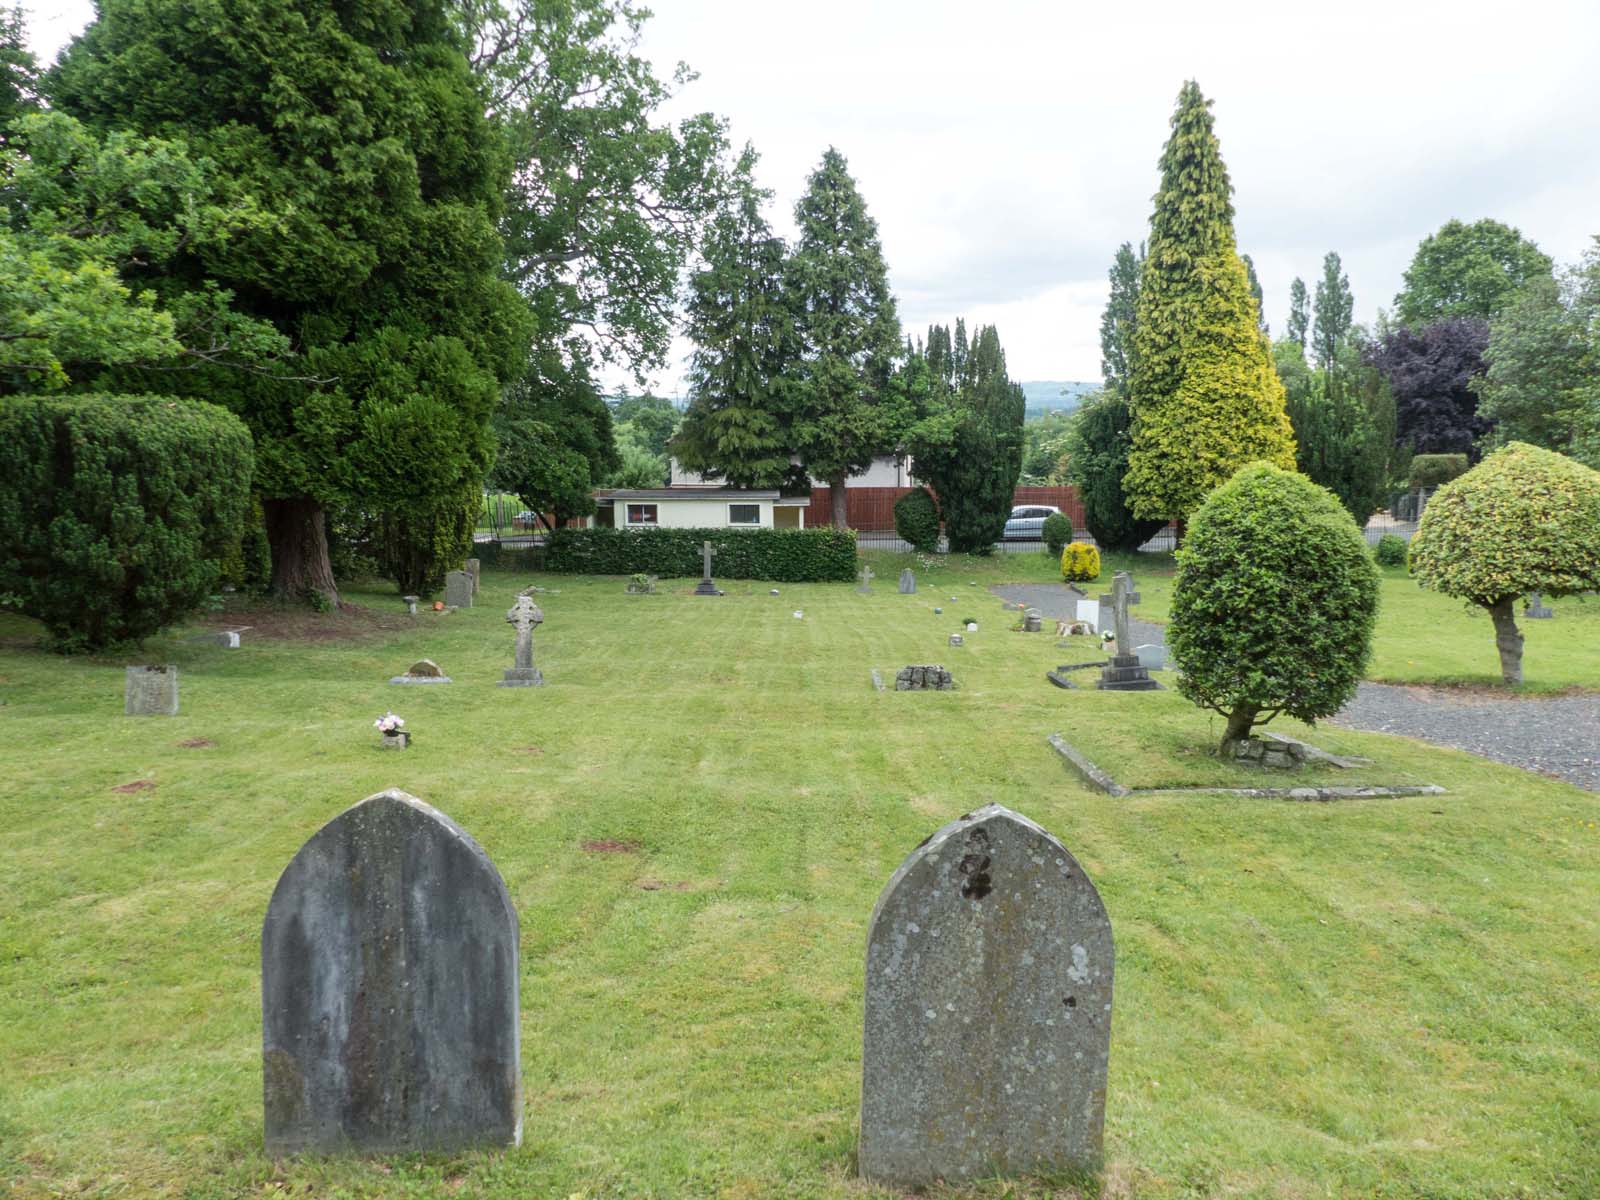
398,740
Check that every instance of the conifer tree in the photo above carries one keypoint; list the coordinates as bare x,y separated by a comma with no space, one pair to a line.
1255,290
736,425
1204,395
1333,312
1299,313
847,332
1116,322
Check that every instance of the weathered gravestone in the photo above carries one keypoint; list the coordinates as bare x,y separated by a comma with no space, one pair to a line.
458,589
389,989
150,692
1124,673
424,670
706,587
988,1009
908,582
1152,656
867,576
1537,609
525,615
1032,621
1088,611
474,568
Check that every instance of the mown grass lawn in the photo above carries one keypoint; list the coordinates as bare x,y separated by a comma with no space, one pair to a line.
1380,998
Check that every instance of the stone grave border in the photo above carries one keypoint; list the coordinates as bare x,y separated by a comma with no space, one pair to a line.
1100,781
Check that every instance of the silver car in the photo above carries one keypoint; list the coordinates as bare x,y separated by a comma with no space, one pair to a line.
1026,523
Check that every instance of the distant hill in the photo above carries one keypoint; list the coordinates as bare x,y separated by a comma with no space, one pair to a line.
1054,395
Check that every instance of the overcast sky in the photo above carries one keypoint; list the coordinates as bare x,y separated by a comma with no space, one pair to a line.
1007,148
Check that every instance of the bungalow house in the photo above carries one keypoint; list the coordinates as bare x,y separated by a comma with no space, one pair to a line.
689,507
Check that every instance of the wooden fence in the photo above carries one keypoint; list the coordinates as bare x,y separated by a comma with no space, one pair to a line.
871,510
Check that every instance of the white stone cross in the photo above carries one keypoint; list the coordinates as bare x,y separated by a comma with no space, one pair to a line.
707,552
1122,595
524,614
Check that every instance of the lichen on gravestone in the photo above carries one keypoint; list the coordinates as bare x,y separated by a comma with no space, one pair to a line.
988,1009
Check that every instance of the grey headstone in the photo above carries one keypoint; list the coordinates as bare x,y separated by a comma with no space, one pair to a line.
988,1009
1152,657
955,639
150,692
422,671
1537,609
526,616
867,576
389,989
411,604
474,568
458,589
908,582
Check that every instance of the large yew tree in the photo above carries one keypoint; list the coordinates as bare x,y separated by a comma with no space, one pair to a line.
359,126
1204,395
846,330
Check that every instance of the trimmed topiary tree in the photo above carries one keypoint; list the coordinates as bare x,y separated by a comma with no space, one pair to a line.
1056,531
1434,470
1274,602
1080,563
916,520
117,511
1523,520
1390,551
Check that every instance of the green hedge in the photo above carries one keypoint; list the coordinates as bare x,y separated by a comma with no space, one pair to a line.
782,555
1432,470
116,512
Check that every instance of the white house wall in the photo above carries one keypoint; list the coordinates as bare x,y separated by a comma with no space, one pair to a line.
693,514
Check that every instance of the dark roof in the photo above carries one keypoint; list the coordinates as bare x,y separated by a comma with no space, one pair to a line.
685,493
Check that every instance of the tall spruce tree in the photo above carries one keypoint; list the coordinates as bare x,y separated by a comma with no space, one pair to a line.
1299,313
1333,311
736,426
1117,321
359,125
1204,395
847,332
969,447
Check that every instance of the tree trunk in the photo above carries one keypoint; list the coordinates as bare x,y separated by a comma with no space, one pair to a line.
1180,530
1240,721
839,502
1506,638
299,540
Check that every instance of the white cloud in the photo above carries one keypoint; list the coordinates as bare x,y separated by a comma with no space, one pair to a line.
1006,149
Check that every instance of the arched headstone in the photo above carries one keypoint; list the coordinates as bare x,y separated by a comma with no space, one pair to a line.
988,1009
389,989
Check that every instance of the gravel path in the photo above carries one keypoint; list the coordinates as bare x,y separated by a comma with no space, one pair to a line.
1559,736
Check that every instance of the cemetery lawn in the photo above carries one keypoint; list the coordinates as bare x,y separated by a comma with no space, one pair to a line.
1379,998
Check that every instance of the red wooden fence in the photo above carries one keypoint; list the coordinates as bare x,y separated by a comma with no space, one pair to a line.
872,509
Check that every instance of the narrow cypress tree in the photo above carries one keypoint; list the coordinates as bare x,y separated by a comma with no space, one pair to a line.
1255,290
1116,323
1299,312
1334,311
1204,394
735,426
847,331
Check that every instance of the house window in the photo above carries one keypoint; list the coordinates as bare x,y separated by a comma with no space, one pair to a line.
641,514
744,514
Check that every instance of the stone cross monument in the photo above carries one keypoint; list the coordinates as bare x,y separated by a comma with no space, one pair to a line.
705,587
1123,673
867,576
524,614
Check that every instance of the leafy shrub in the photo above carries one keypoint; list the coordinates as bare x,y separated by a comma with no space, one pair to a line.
916,520
782,555
516,558
1431,470
1080,562
419,542
1097,458
1274,601
1057,532
247,564
1391,551
1523,520
116,511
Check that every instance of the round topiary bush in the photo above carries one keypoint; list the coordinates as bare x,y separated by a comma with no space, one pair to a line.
1056,531
1523,520
1390,551
1079,563
1274,601
116,512
916,520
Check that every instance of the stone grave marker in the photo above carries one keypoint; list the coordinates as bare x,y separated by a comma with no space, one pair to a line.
1152,657
1089,611
706,587
411,604
422,671
525,615
1124,673
1032,621
908,582
867,576
458,589
150,692
474,568
988,1009
1537,609
932,678
389,989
